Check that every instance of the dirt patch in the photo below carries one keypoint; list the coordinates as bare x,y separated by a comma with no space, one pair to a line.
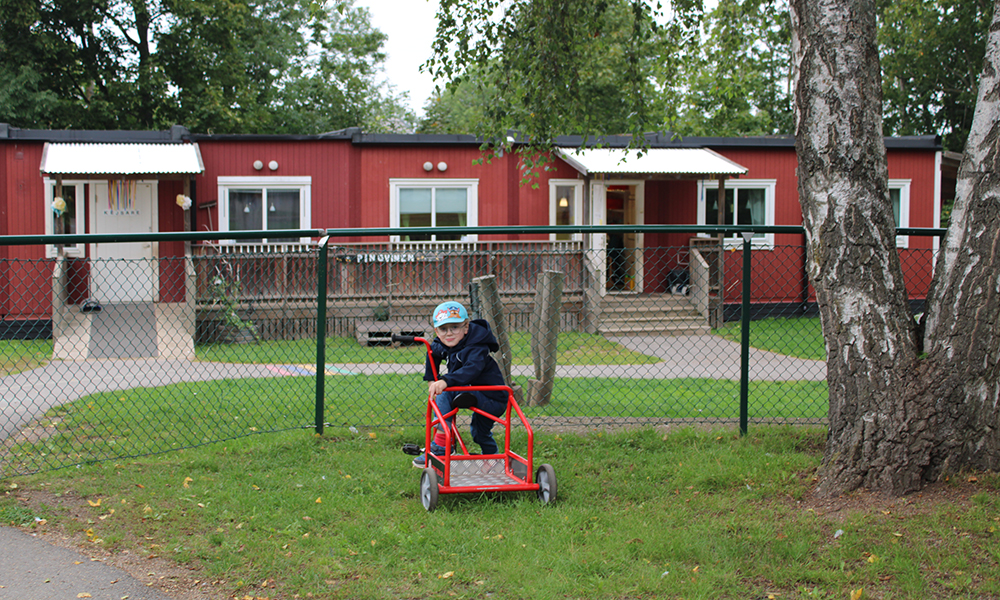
181,582
955,492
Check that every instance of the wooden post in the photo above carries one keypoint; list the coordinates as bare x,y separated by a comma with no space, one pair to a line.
717,304
187,213
491,309
545,336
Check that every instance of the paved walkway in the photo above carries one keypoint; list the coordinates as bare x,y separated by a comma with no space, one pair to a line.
31,568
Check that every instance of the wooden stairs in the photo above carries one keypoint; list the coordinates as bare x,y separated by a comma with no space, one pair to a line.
650,314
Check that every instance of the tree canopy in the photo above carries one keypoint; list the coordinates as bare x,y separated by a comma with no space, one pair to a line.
721,72
932,55
218,66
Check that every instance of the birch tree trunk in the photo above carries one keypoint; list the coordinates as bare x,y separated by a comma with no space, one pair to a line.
898,419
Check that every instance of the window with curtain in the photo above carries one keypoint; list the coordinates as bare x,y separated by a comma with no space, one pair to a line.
73,194
433,203
258,204
565,206
747,202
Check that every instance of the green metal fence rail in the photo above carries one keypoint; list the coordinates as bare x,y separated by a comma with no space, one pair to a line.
219,337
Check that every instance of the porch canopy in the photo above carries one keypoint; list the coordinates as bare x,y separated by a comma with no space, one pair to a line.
673,163
123,160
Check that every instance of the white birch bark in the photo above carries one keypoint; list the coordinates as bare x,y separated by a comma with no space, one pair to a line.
897,420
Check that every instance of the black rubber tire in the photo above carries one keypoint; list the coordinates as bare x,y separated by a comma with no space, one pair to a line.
429,489
545,477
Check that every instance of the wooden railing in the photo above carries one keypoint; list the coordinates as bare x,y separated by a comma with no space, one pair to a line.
287,272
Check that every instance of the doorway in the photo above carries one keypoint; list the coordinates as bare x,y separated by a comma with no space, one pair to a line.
123,272
622,249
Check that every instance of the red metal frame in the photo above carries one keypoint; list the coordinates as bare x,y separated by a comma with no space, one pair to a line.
442,465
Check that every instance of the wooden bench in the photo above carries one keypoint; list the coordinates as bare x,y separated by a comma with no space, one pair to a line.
379,333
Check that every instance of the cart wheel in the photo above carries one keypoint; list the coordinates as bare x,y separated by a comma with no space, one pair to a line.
429,489
545,477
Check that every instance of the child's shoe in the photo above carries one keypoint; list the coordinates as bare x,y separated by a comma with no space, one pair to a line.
421,461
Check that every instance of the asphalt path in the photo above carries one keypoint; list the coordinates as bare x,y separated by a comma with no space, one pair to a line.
33,569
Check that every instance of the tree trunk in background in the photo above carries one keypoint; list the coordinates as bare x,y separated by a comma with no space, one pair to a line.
897,420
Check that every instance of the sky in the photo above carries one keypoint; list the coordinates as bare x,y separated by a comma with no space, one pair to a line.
410,25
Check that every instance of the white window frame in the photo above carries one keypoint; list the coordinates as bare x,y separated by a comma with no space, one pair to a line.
302,184
81,202
903,185
472,208
577,186
765,241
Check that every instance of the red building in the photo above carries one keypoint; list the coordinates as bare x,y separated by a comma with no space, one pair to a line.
115,181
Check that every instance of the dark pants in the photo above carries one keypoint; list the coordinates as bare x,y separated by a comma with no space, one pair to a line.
481,427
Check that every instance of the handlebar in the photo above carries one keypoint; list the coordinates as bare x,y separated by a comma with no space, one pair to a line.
405,339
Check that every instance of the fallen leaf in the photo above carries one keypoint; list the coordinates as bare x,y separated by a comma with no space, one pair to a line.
319,500
446,575
372,435
187,480
857,594
94,504
84,595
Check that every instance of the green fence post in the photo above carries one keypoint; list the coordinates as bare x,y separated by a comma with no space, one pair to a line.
745,336
321,332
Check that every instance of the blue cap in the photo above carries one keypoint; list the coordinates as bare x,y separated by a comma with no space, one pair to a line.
449,312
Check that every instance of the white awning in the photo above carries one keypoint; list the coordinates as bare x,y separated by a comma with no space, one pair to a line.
697,162
121,159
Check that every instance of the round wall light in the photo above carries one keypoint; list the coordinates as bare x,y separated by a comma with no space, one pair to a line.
428,166
257,164
442,166
273,165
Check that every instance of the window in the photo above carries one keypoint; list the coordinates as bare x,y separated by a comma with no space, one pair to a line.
265,203
899,193
747,202
565,206
73,193
433,203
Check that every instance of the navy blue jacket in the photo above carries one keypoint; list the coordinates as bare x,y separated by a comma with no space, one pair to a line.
469,362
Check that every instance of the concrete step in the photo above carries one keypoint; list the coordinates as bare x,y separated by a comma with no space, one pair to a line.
614,329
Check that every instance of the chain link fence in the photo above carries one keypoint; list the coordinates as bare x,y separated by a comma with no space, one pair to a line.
105,359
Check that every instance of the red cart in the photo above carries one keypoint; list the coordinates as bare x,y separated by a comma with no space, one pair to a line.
463,473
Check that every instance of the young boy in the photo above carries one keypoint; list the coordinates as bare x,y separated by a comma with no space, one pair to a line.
465,345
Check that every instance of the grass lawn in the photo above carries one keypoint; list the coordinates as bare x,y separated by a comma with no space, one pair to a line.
23,355
798,337
639,514
141,421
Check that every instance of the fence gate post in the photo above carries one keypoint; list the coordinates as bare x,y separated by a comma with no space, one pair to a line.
321,285
745,336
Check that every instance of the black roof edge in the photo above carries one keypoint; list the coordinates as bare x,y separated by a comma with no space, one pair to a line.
177,133
341,134
669,140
